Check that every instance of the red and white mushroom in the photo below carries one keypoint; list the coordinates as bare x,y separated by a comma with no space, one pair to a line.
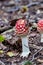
22,30
40,28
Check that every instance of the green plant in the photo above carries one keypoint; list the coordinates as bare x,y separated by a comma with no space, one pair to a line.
28,63
1,38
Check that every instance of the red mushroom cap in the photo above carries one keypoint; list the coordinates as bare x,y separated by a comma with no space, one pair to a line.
21,27
40,25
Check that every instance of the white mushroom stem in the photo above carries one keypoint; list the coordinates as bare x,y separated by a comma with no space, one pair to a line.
41,37
25,46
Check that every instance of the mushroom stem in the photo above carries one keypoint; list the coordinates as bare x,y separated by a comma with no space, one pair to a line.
41,37
25,46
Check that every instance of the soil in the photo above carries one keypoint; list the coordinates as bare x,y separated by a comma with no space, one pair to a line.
35,48
13,43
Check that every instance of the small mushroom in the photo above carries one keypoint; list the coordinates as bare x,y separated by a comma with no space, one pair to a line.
40,28
22,31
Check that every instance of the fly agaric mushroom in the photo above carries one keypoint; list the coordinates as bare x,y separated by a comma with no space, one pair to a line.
22,30
40,28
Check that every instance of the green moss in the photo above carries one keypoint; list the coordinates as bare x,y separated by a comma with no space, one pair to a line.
1,38
28,63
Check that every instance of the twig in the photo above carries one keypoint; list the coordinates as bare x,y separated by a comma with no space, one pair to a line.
1,63
36,53
35,46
